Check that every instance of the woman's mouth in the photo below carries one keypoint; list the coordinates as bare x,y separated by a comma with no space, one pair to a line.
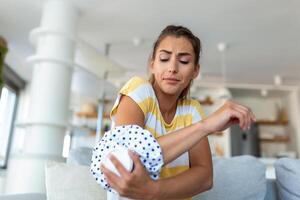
171,80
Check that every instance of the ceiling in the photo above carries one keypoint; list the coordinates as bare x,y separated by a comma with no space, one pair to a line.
262,36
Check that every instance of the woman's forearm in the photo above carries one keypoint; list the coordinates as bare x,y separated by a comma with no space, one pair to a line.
176,143
184,185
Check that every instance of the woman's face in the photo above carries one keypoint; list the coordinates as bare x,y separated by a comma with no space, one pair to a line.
173,66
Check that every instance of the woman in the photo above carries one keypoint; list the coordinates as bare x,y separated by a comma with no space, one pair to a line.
161,105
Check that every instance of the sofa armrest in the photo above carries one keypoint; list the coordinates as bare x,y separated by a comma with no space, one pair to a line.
272,191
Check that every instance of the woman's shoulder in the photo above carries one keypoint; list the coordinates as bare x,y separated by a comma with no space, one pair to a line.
140,91
137,80
137,84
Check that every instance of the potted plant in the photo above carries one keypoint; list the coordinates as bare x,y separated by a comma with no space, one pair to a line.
3,51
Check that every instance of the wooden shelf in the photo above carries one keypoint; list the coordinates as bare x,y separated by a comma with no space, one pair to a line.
268,122
207,101
106,115
87,114
276,139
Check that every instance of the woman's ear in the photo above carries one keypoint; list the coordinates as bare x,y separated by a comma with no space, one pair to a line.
196,71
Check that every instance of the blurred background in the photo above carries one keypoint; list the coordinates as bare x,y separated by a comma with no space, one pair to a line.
66,61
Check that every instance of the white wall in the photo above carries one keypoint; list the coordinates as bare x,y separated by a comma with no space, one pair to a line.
220,145
263,108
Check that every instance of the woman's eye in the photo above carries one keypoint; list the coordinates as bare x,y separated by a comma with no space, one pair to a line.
164,59
184,62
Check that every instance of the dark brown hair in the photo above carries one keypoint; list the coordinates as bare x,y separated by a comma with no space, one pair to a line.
178,31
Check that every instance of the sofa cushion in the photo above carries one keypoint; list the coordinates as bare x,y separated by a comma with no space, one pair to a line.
236,178
27,196
288,178
66,181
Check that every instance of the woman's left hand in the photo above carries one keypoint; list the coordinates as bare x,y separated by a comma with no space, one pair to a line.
136,184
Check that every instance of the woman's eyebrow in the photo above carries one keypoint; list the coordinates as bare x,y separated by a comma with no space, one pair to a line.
165,51
184,54
179,54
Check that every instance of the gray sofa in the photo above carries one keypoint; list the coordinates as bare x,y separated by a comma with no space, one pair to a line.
241,177
237,178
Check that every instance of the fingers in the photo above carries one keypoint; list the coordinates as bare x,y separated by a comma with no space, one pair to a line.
136,160
112,178
119,166
249,111
244,114
235,114
245,120
248,114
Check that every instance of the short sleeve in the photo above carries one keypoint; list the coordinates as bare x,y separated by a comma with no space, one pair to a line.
140,91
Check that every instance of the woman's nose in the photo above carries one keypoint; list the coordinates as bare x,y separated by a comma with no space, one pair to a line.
173,66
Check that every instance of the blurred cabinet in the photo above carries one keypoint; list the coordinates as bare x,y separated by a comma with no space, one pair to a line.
276,120
211,98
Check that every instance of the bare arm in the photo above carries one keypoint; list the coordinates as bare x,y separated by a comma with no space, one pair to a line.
182,140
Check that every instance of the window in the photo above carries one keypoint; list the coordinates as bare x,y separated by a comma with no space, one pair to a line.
7,113
8,103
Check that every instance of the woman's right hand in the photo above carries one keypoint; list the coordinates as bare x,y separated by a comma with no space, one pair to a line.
229,114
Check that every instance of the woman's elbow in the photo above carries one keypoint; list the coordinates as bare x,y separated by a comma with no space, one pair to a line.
205,179
205,186
209,183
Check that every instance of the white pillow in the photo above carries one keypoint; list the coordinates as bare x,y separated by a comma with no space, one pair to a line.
66,181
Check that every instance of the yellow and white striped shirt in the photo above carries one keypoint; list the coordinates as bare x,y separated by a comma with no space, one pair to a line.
188,112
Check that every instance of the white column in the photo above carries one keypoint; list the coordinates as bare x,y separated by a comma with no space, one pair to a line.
50,93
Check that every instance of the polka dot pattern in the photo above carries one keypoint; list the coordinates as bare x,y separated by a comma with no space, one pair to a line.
131,137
